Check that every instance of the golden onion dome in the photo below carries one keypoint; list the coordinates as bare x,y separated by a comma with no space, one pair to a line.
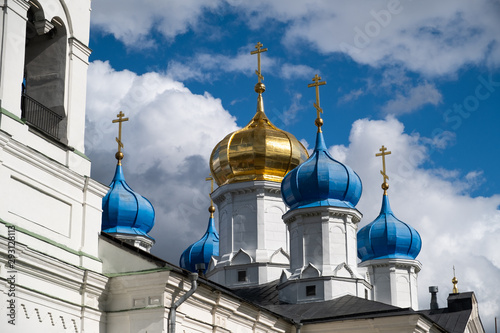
259,151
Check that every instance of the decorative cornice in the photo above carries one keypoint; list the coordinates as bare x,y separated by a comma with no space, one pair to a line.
393,262
79,49
352,213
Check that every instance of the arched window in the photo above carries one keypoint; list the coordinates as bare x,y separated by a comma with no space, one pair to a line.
44,73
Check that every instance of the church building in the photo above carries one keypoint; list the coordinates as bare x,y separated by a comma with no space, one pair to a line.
286,256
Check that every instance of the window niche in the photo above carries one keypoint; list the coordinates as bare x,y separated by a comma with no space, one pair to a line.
242,276
44,73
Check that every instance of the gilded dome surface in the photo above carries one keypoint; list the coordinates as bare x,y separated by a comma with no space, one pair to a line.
259,151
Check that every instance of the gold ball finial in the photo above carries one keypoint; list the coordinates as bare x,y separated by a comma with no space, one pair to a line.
318,122
260,87
119,155
385,186
211,209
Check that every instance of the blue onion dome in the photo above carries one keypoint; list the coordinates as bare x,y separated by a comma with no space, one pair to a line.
388,237
202,251
321,181
125,211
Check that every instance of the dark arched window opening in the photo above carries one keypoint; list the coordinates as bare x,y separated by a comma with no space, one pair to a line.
44,73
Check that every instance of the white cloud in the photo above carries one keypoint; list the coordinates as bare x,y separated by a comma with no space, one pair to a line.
132,22
163,115
456,228
414,99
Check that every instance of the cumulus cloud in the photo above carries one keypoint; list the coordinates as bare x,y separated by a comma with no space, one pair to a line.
167,144
457,229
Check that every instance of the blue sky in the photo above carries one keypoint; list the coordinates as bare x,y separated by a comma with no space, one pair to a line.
422,78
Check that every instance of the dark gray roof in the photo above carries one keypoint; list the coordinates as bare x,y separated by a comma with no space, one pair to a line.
454,318
347,306
265,294
339,308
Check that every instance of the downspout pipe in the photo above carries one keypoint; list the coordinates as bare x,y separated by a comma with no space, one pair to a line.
298,326
173,309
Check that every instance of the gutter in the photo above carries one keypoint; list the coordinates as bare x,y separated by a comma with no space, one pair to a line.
173,309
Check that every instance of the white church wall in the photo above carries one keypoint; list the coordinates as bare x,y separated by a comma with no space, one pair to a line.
60,208
394,281
49,295
250,221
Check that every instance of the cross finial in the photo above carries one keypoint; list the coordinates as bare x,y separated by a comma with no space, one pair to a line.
211,209
319,110
120,120
259,50
454,281
384,152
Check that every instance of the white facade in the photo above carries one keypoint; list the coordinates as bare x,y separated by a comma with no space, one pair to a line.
253,244
323,255
394,281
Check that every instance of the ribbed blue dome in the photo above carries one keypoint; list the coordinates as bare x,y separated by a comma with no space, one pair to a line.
321,181
202,250
388,237
125,211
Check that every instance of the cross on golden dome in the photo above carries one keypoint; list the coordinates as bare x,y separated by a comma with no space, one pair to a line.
120,120
384,152
259,50
319,110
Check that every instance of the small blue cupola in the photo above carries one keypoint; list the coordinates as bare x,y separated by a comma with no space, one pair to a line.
387,236
201,252
126,214
197,256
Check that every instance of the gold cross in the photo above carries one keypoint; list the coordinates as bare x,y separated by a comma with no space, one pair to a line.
211,209
316,84
120,120
259,50
211,179
454,281
383,153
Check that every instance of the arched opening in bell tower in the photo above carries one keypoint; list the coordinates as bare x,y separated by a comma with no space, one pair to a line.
44,73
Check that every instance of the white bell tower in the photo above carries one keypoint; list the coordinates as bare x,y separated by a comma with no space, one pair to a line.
50,206
43,70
